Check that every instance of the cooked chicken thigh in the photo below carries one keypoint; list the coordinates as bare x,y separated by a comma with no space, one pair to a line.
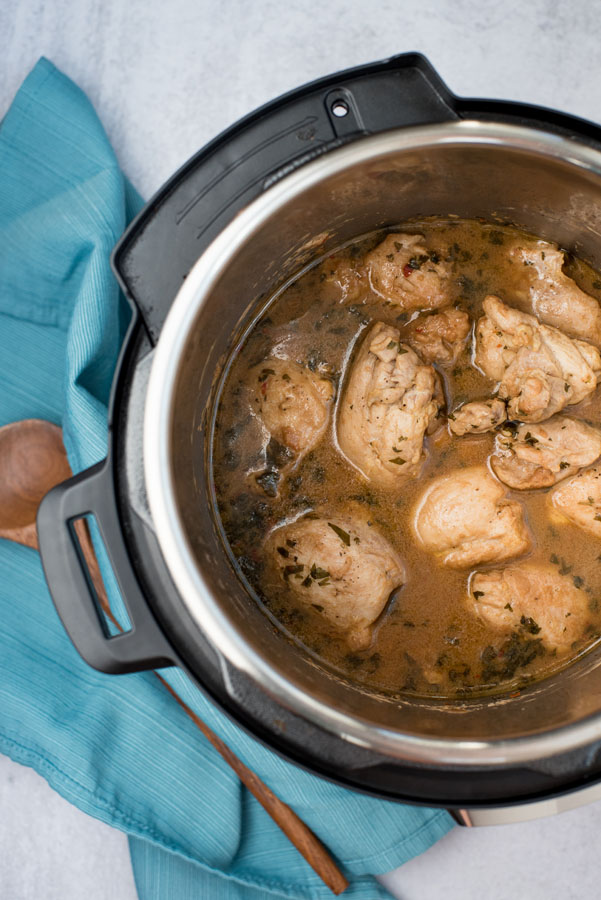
466,519
537,456
342,568
556,299
404,271
540,369
440,337
533,598
292,402
477,417
579,500
389,401
291,406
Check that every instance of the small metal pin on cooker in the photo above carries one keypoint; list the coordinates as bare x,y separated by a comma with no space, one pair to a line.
340,108
343,112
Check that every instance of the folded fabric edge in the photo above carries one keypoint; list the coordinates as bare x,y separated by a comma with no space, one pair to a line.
99,808
144,857
435,827
87,801
38,74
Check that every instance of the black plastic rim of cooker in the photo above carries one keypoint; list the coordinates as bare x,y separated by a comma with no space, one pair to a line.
150,261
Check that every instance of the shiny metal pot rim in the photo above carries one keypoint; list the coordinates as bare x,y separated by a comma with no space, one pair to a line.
203,606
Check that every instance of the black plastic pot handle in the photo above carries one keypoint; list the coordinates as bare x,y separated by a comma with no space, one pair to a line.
165,240
144,646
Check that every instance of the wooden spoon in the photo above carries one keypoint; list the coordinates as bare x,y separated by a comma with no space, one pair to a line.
32,461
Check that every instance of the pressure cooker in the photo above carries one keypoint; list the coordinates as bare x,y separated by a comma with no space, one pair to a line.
357,151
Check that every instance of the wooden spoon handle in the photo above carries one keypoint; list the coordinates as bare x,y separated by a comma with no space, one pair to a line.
307,843
87,548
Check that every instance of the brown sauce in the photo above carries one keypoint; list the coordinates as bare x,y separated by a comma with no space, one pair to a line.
427,641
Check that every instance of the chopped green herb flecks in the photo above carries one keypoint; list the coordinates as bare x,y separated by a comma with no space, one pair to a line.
515,653
564,569
342,534
268,481
529,625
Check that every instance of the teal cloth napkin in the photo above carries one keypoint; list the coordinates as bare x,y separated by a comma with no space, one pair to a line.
119,748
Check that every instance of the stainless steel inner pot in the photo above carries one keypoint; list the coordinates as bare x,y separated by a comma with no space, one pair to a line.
544,183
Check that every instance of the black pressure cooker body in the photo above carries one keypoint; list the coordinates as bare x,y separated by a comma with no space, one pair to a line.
151,261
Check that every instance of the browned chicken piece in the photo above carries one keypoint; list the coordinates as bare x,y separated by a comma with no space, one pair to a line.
579,500
404,271
465,518
538,456
342,568
477,417
539,368
440,337
532,598
292,405
348,275
389,401
556,299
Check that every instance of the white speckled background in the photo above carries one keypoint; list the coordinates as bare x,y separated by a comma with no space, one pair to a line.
165,77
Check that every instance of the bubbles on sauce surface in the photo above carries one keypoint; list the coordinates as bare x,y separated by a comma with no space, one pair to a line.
427,640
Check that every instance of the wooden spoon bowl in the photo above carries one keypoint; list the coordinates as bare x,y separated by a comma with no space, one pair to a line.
32,461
